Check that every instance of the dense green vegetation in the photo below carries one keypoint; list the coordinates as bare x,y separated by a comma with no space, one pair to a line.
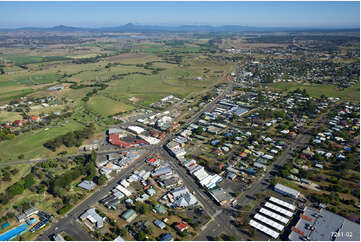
73,138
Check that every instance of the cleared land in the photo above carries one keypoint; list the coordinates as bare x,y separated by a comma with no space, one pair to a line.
31,143
316,90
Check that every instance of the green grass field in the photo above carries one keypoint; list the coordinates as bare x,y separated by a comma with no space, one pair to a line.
176,79
105,106
23,60
151,88
30,59
31,143
9,95
38,79
315,90
9,116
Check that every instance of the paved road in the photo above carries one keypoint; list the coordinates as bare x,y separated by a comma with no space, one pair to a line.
224,224
202,197
69,224
103,152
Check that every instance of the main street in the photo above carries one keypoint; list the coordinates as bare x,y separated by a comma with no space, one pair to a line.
68,222
221,219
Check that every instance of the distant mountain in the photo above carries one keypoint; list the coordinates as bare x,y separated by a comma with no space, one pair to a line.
64,28
183,28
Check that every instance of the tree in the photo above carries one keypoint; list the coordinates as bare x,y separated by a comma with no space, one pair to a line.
68,238
16,189
198,131
90,170
141,236
142,208
41,189
285,173
123,232
101,180
182,234
93,156
29,181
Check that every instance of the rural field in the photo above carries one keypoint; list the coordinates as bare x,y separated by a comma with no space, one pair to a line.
316,90
31,143
98,80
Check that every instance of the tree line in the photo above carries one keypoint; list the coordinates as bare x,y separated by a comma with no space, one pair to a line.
70,139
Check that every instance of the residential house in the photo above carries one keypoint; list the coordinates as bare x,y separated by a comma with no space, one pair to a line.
129,215
87,185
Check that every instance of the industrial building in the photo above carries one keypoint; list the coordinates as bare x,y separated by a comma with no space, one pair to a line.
323,225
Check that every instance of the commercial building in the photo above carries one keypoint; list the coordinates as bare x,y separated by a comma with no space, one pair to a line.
323,225
136,129
162,171
27,213
94,218
123,190
287,191
221,196
264,229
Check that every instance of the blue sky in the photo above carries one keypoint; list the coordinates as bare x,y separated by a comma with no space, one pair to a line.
262,14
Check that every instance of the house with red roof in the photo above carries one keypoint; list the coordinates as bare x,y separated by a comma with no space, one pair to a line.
243,155
151,160
181,226
292,135
35,118
218,152
18,123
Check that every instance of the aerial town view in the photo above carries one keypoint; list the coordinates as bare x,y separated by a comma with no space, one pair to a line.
179,121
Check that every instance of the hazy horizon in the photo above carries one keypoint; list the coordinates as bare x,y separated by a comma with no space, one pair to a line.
254,14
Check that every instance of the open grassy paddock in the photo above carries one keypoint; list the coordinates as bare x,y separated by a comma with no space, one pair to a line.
316,90
105,106
31,143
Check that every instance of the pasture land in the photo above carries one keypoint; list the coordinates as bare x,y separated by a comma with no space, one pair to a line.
105,106
9,116
30,144
38,79
148,71
316,90
26,59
